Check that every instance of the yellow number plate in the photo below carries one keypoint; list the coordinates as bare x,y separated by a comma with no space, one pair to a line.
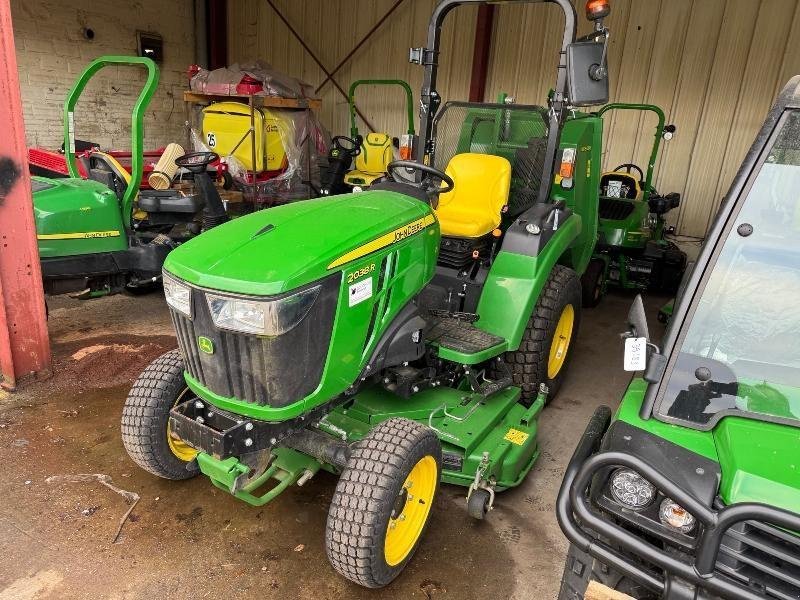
515,436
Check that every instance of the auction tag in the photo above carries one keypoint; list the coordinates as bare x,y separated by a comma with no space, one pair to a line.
360,291
635,354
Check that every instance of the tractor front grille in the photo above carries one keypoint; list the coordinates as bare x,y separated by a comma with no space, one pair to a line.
615,210
267,371
762,557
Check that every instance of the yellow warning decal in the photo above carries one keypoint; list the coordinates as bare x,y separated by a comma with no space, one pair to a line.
515,436
77,236
387,239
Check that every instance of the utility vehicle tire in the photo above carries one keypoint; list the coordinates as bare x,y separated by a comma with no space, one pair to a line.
557,312
592,283
580,568
145,420
382,503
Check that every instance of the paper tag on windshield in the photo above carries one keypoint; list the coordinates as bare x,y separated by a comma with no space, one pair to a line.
635,354
360,291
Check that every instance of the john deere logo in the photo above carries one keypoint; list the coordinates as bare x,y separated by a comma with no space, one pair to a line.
205,345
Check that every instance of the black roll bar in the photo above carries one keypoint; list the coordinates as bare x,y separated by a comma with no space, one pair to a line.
430,100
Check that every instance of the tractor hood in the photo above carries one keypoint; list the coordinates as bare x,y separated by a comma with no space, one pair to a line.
282,248
760,462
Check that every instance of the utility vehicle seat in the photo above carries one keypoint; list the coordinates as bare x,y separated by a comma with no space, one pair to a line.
475,206
370,164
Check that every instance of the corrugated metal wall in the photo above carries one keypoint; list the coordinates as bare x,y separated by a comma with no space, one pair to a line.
714,66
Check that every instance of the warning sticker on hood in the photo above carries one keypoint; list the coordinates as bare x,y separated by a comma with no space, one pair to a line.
360,291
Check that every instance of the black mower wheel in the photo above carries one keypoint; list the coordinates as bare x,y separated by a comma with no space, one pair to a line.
478,504
548,341
145,420
382,503
580,568
592,283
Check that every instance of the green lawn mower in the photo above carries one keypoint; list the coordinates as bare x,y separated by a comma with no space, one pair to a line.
632,252
99,236
692,488
411,336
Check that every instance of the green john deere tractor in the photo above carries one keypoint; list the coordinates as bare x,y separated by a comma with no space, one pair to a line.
692,488
411,335
632,251
99,235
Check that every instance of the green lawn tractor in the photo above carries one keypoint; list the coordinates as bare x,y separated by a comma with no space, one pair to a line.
632,252
692,488
99,235
398,337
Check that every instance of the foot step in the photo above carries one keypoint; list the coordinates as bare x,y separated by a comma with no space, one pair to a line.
461,336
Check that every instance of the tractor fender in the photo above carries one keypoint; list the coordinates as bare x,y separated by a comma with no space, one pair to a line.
515,281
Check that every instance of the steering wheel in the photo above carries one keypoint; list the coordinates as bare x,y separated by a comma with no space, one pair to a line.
196,162
353,147
430,171
628,167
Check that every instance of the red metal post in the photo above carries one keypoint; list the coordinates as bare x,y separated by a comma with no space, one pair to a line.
217,35
24,344
480,53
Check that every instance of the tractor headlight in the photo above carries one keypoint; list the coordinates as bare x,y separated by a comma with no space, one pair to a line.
631,490
261,317
178,295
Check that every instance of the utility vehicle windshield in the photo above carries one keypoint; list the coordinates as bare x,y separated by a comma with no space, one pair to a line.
740,352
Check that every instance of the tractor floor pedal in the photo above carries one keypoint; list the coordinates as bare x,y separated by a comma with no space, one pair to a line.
460,336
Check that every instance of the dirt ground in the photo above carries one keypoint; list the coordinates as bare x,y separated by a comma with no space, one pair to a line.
190,540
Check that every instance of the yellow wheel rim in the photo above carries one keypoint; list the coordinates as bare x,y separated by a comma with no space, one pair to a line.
411,511
559,347
178,447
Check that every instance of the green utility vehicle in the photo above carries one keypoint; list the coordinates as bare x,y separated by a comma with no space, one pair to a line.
397,337
693,489
632,252
90,242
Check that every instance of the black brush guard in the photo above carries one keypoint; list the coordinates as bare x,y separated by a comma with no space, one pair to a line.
681,580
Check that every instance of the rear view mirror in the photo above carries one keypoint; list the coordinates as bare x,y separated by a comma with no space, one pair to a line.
587,73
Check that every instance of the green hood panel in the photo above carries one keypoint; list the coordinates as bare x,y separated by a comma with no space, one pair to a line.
760,462
282,248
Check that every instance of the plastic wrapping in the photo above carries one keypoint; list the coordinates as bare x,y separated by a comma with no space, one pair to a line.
288,142
225,81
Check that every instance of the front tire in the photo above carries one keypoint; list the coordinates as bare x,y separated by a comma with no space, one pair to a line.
548,341
382,503
145,420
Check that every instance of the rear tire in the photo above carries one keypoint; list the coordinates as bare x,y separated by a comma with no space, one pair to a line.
592,283
377,519
529,364
145,420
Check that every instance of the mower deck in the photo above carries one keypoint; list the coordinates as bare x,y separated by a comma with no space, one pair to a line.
468,424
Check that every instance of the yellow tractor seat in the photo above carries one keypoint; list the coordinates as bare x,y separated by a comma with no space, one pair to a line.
474,208
376,154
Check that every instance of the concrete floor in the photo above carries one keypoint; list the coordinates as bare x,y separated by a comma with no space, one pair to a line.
190,540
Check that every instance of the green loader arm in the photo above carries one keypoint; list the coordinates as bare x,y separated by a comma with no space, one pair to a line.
351,96
656,143
137,121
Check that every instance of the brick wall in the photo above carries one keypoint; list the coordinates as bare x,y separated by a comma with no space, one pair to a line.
52,51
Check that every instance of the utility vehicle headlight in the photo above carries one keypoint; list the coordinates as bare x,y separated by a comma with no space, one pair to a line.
178,296
673,515
261,317
631,490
